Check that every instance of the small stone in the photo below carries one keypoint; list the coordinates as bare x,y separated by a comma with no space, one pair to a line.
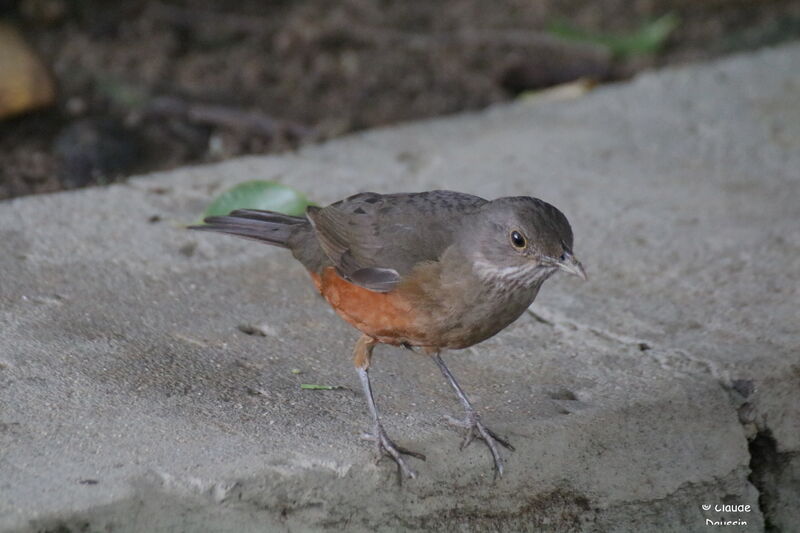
262,330
559,392
188,249
249,329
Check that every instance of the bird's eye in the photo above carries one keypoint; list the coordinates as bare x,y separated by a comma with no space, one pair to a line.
563,257
518,240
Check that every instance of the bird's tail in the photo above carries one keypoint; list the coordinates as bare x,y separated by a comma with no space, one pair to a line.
265,226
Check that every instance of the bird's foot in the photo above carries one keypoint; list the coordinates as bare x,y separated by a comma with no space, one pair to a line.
475,428
387,448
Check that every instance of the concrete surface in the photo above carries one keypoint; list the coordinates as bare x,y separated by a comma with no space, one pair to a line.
130,400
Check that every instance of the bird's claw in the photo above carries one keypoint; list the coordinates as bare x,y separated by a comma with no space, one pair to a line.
387,448
475,428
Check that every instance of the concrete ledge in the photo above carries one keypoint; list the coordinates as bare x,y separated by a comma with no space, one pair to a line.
130,401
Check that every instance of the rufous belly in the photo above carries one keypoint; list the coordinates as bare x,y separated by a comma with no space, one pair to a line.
387,317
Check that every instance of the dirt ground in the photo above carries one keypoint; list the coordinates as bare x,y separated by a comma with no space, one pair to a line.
146,85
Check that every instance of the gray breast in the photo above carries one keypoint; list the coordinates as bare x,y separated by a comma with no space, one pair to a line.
465,309
493,311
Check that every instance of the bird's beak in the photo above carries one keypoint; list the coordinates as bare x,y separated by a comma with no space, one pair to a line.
570,265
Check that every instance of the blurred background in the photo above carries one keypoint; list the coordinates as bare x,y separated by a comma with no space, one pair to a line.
93,91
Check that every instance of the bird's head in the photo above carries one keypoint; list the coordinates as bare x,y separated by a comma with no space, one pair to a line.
520,239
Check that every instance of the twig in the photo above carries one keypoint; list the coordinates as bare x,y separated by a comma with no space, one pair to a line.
254,122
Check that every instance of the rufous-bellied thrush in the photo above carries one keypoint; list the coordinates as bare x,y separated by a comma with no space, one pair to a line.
430,270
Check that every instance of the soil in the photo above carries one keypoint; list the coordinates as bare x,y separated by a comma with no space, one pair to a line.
147,85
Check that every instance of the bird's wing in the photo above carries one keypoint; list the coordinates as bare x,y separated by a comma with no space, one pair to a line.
374,239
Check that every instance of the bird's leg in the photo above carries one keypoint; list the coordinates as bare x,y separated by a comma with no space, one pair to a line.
472,422
363,354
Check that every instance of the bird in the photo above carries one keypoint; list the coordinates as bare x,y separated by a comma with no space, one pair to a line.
428,271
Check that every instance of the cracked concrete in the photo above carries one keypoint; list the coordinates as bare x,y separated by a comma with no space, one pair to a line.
131,399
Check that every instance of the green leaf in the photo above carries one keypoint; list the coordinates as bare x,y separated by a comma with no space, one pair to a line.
307,386
647,39
257,194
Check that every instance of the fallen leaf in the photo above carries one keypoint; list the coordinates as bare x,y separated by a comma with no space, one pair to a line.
257,194
25,83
